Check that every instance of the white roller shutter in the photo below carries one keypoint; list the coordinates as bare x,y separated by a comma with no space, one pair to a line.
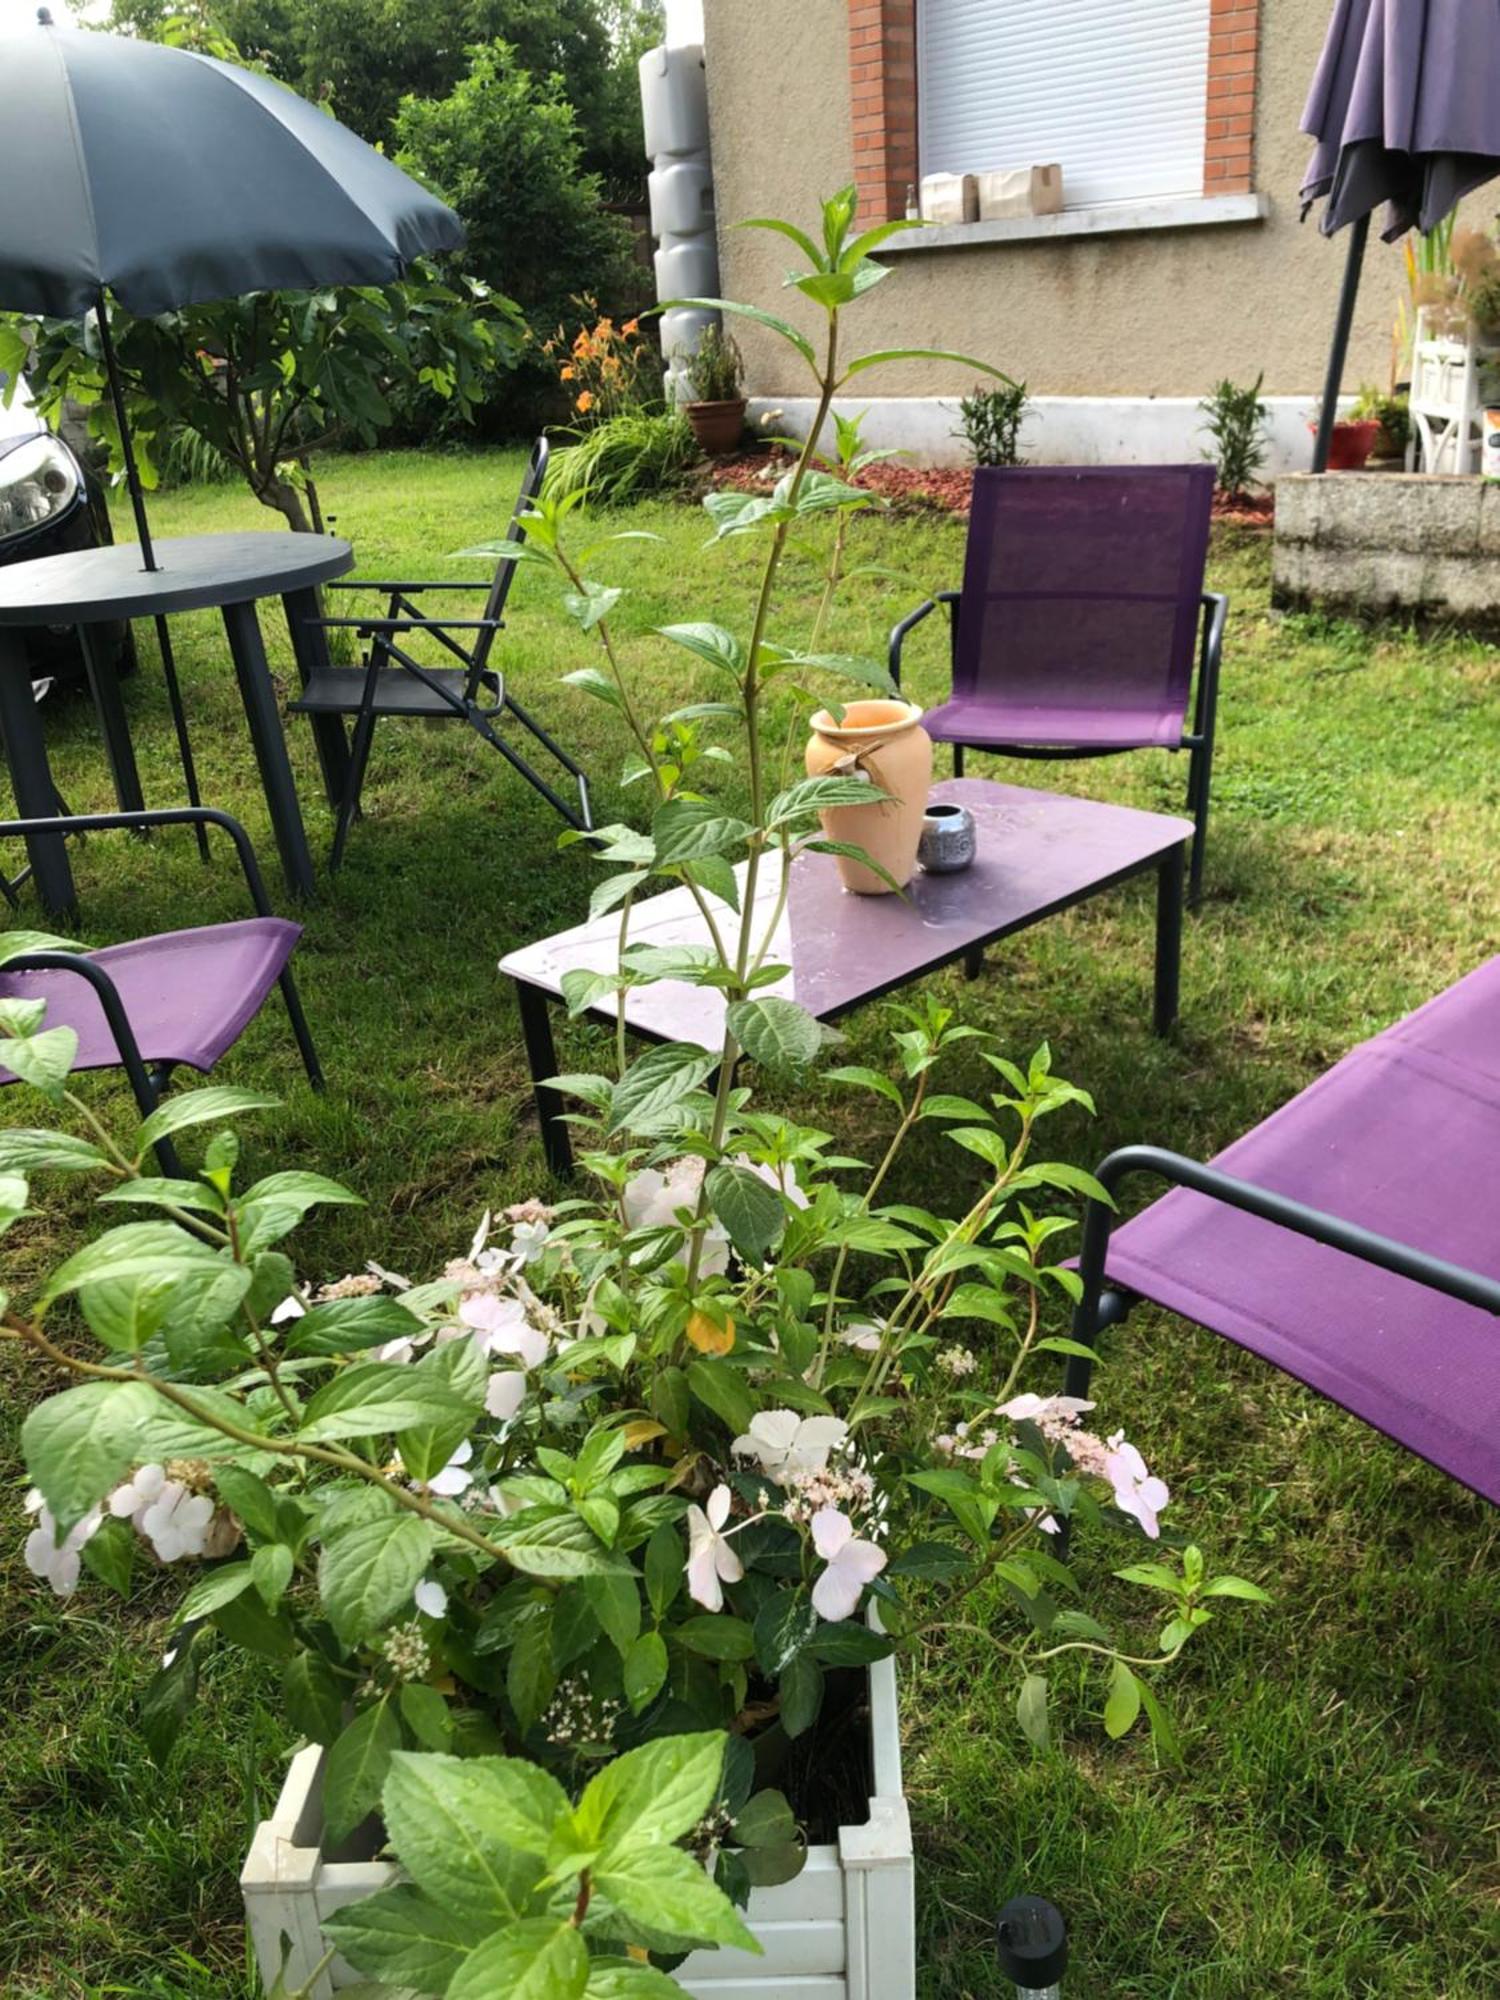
1114,90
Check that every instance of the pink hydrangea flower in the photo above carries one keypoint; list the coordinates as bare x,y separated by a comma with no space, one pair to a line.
711,1561
1137,1492
851,1565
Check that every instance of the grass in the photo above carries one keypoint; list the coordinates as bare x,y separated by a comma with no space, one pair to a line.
1335,1834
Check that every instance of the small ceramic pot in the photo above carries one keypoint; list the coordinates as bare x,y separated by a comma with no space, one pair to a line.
883,741
718,426
948,840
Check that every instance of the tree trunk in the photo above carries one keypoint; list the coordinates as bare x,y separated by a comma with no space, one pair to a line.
281,496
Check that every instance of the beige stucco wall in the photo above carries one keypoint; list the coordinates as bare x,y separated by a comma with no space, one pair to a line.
1158,313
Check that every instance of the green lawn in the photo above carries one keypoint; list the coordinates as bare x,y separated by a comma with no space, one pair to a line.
1336,1832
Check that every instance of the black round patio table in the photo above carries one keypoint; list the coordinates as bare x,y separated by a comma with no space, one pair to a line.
91,587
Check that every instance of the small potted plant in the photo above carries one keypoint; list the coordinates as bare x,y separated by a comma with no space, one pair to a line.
714,376
1351,443
1392,412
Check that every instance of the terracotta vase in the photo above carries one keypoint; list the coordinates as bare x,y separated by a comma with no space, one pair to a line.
885,742
718,426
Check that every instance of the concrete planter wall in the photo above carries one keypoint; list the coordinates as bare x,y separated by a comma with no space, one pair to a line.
844,1930
1390,544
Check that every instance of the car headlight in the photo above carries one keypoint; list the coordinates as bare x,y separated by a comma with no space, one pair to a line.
38,481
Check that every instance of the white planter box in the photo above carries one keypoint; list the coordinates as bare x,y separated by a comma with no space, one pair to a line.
843,1930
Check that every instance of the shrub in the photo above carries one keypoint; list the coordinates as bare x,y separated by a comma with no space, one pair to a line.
503,148
1235,418
990,422
629,454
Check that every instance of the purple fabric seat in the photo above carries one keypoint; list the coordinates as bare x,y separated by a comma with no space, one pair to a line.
1401,1137
188,995
1077,628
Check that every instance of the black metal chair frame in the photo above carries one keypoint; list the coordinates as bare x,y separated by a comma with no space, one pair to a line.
148,1084
1198,742
450,694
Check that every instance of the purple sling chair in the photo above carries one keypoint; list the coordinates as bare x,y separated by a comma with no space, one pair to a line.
183,997
1350,1239
1079,620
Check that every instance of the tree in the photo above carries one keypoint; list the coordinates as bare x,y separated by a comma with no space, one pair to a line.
361,57
272,377
503,149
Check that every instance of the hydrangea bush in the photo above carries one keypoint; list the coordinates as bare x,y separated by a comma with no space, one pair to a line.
556,1550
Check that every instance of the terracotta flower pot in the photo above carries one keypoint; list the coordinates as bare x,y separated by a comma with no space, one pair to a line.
717,426
885,742
1350,444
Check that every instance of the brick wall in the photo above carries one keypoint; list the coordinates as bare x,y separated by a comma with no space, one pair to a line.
883,93
1233,46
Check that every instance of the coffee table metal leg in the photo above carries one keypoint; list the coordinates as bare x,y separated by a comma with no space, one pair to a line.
104,686
974,962
25,747
310,644
258,693
1170,879
541,1057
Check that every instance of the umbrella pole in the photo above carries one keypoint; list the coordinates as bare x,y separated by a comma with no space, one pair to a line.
143,531
1342,326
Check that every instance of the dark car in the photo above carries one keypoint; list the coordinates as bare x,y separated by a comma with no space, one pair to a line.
50,503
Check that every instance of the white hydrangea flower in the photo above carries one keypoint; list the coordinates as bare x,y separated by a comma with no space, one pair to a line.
454,1478
130,1501
58,1560
431,1598
177,1522
788,1446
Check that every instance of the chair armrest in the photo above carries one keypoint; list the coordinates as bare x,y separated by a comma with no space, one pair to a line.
413,624
910,622
77,823
1216,609
108,997
404,589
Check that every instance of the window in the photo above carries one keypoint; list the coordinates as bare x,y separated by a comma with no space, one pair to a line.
1114,90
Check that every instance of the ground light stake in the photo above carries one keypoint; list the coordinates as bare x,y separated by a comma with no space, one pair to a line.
1032,1942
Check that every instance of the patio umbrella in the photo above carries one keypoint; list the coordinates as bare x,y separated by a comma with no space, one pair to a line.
1404,109
166,178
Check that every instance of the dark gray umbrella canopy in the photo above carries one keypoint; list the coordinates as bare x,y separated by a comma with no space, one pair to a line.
171,178
1405,109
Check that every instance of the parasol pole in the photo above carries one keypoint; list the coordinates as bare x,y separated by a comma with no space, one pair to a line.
143,532
1342,327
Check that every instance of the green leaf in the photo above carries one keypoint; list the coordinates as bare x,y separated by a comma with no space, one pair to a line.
347,1326
367,1573
614,889
400,1934
25,1150
656,1083
1163,1732
219,1586
664,1569
302,1191
867,1079
472,1832
156,1250
593,602
753,1213
779,1033
716,1637
109,1554
765,1821
356,1769
156,1191
1031,1711
720,1387
711,643
789,230
313,1696
553,1541
628,1979
43,1060
616,1602
716,875
668,1896
849,1644
801,1690
778,326
810,796
1124,1703
80,1444
1236,1586
376,1397
271,1570
537,1959
427,1715
651,1795
166,1701
879,359
530,1677
26,944
768,1867
689,829
645,1670
199,1107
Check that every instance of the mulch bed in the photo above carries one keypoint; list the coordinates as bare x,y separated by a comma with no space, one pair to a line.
917,489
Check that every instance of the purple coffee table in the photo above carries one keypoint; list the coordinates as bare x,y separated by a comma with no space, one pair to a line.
1039,852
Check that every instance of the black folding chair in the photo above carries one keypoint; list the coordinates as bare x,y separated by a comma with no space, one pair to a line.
390,682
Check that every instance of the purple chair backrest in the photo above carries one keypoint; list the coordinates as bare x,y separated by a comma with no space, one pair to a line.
1083,585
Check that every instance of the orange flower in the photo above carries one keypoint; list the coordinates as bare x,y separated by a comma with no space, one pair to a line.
585,401
567,374
631,326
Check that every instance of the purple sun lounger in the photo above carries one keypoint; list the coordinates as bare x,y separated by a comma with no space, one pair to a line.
181,998
1080,620
1352,1239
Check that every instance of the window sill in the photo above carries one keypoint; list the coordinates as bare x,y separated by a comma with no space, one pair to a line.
1126,219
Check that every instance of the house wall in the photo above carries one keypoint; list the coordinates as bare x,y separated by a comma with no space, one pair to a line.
1162,313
